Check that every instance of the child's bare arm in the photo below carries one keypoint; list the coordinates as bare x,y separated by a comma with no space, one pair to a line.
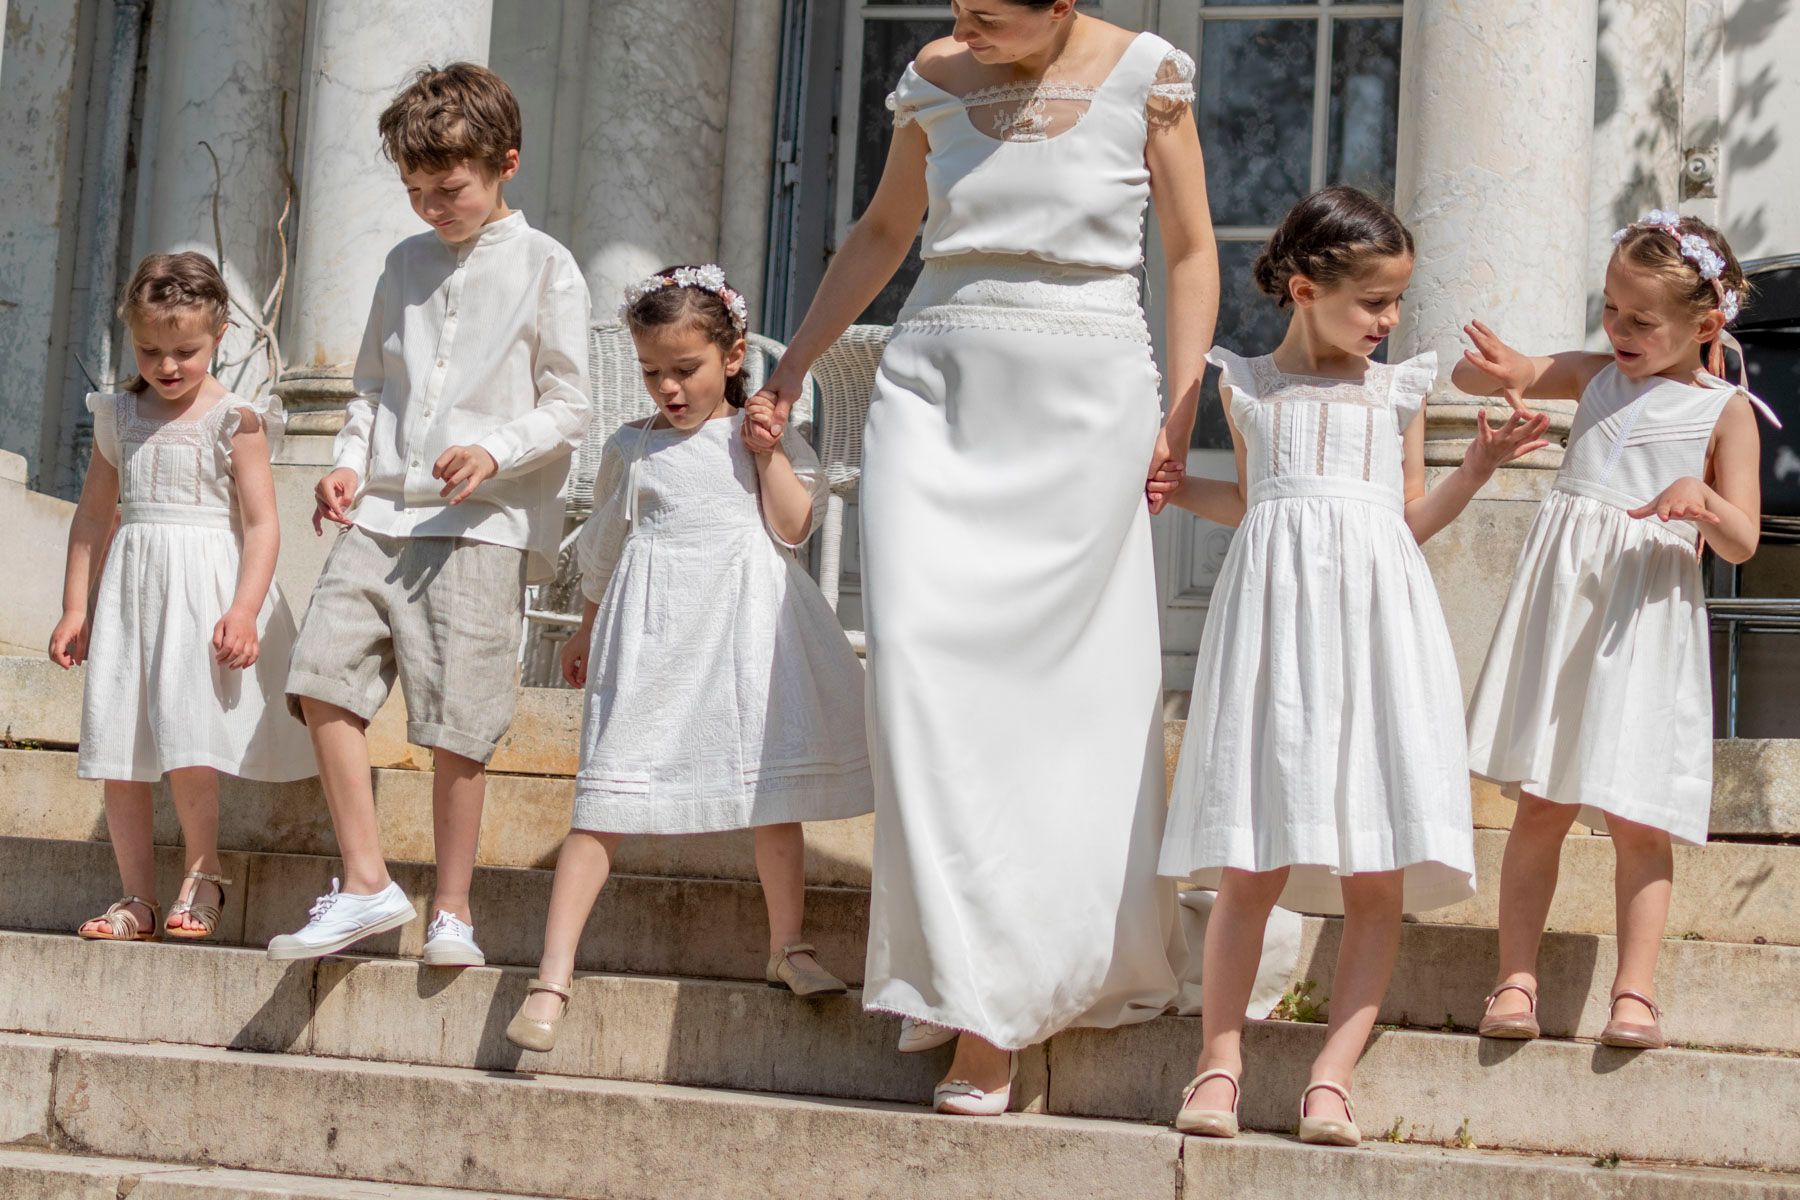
575,650
1428,512
787,502
90,533
234,636
1490,367
1221,501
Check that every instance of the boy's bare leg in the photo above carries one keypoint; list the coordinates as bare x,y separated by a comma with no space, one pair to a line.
342,748
457,795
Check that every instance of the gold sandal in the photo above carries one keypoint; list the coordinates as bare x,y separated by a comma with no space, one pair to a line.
1521,1027
528,1034
1209,1122
122,924
206,914
802,981
1634,1035
1324,1131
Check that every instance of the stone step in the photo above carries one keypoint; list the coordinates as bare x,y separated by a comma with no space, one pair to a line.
1713,992
582,1138
750,1037
1756,793
46,1175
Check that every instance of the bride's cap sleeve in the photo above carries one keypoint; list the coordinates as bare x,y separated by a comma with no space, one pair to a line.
1172,91
916,100
105,407
1412,382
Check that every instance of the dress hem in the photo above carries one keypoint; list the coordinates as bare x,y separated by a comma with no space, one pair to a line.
216,763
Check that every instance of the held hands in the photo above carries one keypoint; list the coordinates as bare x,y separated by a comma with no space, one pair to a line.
574,656
465,467
332,497
1499,362
1165,474
69,640
762,424
1683,500
234,640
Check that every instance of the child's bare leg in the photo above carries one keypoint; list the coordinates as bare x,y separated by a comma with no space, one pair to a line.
1643,881
130,812
582,867
1528,874
196,793
342,749
1234,941
781,866
457,795
1365,962
981,1063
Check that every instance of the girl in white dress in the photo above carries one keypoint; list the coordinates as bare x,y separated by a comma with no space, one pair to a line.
1008,583
721,691
188,637
1323,765
1596,698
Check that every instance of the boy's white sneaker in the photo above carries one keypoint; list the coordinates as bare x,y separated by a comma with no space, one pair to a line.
340,919
450,942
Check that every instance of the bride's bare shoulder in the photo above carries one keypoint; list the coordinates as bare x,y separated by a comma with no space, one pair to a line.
945,63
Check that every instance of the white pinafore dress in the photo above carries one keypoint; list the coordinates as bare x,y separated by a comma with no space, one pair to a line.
1325,733
1008,583
721,691
1597,689
156,699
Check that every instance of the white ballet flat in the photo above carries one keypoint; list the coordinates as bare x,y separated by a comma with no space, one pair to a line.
916,1037
961,1098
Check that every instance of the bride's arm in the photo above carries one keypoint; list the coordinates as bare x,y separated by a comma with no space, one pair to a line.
1191,295
870,255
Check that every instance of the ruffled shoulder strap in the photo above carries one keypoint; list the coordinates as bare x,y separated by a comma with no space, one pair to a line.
915,99
105,408
1409,383
234,413
1238,373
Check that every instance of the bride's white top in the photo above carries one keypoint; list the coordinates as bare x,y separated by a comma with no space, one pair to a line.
1088,197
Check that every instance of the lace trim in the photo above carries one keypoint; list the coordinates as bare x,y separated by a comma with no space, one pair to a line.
1030,89
1181,93
1368,440
941,318
902,116
1272,380
199,432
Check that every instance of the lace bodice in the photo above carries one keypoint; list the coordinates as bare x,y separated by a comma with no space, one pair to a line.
1344,432
1052,169
175,470
698,489
1633,438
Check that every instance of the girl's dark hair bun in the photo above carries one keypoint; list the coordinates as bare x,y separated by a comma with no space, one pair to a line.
1331,235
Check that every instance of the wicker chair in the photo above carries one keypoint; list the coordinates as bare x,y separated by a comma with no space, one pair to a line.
616,396
845,377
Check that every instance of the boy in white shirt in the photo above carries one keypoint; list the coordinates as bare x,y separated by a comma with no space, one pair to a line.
471,394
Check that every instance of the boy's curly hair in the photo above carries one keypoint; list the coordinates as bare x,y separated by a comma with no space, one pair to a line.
450,114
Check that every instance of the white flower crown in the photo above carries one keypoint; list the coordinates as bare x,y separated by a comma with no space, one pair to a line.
709,278
1697,250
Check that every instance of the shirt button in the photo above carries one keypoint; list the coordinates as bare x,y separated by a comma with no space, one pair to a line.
440,362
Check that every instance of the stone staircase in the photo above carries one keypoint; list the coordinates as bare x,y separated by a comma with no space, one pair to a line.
174,1071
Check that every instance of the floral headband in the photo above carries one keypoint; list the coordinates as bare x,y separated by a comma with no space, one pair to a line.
1697,250
709,278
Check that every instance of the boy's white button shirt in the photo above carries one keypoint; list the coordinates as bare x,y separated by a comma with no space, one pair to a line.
481,343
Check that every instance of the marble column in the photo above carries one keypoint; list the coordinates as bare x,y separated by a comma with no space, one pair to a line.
652,144
750,147
228,75
1496,116
352,209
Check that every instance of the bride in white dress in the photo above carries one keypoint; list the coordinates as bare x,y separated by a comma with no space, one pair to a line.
1010,602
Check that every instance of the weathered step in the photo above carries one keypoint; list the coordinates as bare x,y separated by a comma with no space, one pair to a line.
46,1175
1683,1104
584,1138
1712,992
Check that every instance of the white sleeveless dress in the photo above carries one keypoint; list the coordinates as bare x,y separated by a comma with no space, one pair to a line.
721,691
1009,589
1325,733
156,698
1597,689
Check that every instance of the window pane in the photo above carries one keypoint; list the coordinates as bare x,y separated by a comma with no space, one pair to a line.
1240,3
887,47
1256,86
1365,104
1249,323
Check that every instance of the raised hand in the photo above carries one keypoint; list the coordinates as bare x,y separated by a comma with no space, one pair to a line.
1165,474
1499,362
332,497
1683,500
234,640
463,469
1494,448
68,641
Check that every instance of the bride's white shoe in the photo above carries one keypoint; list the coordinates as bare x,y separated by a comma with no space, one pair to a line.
964,1099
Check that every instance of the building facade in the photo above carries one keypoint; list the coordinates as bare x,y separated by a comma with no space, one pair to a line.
1513,135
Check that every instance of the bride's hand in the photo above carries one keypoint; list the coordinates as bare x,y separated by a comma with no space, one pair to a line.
769,408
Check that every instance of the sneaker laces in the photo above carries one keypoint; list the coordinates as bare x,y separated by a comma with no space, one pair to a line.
444,922
323,904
